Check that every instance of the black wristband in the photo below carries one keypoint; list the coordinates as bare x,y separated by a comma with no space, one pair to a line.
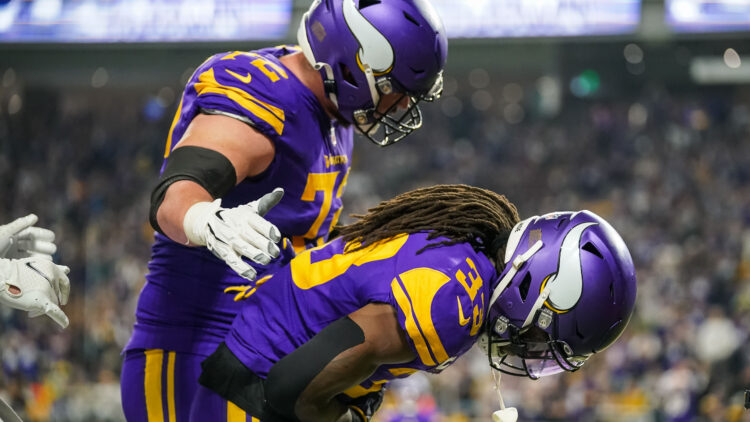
206,167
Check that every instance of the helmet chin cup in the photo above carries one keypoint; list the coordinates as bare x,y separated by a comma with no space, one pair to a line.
509,414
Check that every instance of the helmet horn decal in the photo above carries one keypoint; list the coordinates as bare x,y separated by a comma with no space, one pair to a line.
567,283
375,50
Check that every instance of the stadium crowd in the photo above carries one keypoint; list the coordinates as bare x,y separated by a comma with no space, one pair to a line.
669,168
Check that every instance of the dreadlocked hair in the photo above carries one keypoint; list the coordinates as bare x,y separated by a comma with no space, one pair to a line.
461,213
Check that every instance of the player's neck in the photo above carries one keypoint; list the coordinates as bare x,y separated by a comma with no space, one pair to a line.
298,64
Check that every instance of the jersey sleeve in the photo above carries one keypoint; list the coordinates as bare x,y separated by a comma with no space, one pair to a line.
244,85
441,311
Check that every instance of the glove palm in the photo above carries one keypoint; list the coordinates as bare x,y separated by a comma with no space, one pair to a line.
36,285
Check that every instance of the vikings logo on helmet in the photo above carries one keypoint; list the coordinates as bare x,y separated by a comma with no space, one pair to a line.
374,49
567,283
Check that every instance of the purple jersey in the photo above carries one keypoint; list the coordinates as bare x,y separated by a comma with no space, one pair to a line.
439,295
182,306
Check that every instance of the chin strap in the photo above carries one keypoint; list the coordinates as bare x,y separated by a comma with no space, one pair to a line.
538,304
510,414
329,83
517,264
496,377
370,76
505,414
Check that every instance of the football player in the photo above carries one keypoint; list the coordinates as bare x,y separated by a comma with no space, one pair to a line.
411,286
248,123
29,280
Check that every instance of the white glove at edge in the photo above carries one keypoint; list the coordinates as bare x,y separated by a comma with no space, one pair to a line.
230,233
18,239
36,285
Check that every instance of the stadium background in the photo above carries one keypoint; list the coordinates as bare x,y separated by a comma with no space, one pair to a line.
648,126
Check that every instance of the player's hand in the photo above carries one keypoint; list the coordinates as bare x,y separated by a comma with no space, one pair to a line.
19,239
231,233
366,405
36,285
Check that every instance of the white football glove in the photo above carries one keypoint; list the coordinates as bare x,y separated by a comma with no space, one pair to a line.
19,239
231,233
36,285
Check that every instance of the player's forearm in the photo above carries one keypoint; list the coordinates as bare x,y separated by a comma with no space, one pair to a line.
179,198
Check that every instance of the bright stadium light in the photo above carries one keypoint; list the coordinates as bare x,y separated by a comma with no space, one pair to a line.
143,20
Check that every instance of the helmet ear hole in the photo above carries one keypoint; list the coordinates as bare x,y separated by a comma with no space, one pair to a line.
348,77
416,71
589,247
523,288
367,3
411,19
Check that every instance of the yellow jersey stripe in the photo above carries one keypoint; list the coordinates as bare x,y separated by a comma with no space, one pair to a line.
234,413
298,243
232,55
274,116
170,387
411,324
171,129
152,384
421,285
397,372
359,391
307,274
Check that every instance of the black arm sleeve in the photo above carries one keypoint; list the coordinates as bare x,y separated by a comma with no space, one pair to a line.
206,167
293,373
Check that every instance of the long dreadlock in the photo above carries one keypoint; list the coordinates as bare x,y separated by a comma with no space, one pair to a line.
461,213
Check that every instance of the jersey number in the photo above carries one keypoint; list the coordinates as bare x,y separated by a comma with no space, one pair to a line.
471,286
326,183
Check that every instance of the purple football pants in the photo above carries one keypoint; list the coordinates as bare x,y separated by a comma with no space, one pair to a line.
160,386
209,406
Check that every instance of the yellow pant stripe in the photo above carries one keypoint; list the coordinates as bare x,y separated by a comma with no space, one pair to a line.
152,384
170,387
235,414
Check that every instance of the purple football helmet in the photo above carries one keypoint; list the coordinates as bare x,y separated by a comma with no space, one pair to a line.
567,292
368,49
